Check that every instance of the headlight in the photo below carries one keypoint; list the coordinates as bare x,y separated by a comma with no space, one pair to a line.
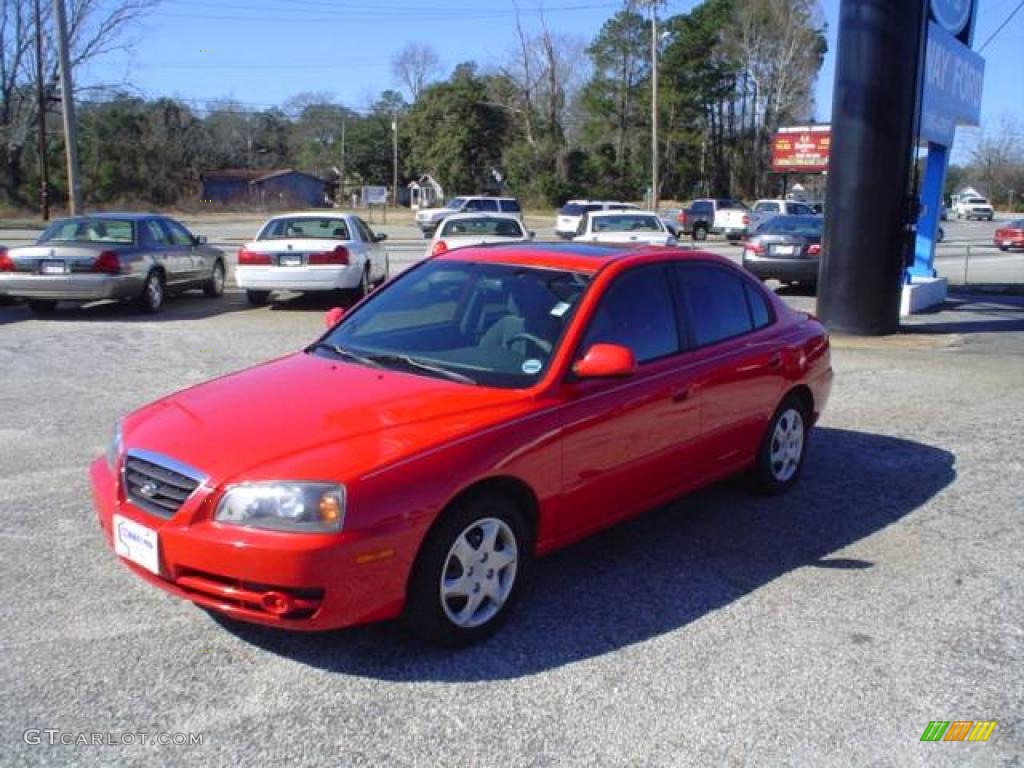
115,446
285,506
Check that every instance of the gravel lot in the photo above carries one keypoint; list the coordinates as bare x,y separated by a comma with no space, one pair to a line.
827,627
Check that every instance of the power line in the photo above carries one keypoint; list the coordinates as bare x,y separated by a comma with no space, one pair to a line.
1000,27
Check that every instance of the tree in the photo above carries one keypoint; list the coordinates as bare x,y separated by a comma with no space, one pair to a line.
95,28
414,67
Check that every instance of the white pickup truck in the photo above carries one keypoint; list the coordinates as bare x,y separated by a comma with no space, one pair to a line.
719,216
973,208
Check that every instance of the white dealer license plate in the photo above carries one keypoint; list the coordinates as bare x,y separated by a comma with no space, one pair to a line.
291,261
137,543
53,268
785,250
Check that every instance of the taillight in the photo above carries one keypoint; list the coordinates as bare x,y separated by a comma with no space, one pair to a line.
746,220
755,248
814,249
439,247
681,217
250,258
107,263
6,262
338,256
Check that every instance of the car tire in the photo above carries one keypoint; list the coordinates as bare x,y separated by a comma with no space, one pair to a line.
257,298
454,597
1004,247
700,233
214,287
783,449
365,287
387,271
42,307
151,299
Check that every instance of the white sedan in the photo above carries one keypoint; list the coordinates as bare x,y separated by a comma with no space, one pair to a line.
462,229
313,251
624,228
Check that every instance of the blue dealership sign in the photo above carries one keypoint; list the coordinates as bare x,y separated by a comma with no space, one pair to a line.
953,79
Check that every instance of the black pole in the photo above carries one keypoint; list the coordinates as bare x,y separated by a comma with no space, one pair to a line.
874,108
44,182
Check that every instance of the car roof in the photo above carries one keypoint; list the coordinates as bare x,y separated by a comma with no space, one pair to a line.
621,212
124,216
482,215
320,214
588,258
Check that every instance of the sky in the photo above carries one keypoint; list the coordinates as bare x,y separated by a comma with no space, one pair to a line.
262,52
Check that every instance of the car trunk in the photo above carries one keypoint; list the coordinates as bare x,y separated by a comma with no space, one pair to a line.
59,258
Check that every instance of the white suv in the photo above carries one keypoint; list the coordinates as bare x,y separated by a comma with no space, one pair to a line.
973,208
567,221
428,219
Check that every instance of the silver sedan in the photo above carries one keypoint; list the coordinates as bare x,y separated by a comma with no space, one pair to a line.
141,257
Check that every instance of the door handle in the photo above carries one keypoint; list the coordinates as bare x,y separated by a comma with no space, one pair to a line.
679,394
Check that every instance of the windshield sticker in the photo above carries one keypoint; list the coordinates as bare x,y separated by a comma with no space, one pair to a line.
532,366
560,309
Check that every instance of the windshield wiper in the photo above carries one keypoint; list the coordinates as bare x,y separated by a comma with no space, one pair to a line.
347,354
412,362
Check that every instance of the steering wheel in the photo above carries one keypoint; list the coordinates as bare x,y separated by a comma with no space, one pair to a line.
541,344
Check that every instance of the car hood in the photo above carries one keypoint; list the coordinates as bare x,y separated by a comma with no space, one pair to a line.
307,416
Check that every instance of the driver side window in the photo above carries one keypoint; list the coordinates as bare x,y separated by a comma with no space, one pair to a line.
637,312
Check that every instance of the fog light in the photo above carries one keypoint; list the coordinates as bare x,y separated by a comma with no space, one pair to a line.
277,603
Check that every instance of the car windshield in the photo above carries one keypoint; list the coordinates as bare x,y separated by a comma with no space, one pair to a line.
978,201
304,228
455,203
799,226
90,230
627,223
483,226
476,322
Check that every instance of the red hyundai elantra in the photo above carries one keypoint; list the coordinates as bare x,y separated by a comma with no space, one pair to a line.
485,407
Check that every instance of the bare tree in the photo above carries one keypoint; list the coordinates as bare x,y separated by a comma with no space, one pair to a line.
414,67
998,160
95,28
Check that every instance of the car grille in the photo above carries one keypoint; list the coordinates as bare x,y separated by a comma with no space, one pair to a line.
152,485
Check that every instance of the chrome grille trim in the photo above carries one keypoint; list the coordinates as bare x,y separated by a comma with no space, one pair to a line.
172,482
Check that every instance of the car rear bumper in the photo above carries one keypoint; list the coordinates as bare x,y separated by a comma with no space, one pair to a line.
84,287
805,270
1008,242
334,581
318,278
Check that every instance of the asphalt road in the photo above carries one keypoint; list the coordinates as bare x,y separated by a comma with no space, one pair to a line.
826,627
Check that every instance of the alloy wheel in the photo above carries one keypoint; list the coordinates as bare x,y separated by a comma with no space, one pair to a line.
787,446
479,573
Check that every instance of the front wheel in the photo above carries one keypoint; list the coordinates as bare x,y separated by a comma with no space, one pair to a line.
214,287
42,307
471,570
1004,248
781,456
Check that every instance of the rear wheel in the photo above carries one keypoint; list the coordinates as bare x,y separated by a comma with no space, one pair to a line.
214,287
42,306
781,456
470,572
257,298
700,233
151,300
1004,247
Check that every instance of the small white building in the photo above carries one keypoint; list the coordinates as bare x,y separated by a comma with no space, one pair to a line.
425,192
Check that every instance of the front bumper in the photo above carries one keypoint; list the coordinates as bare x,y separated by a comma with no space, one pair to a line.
335,580
83,287
804,270
305,278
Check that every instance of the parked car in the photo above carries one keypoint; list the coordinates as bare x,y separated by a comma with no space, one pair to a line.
1010,235
763,210
313,251
719,216
624,228
464,229
487,406
428,218
786,248
567,222
130,256
973,208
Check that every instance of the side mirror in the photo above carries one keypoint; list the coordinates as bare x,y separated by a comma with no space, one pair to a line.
333,316
199,239
605,361
380,237
532,234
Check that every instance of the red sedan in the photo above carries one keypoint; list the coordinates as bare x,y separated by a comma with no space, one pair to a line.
1010,236
487,406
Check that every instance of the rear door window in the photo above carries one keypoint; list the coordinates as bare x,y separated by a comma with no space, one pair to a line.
716,303
510,206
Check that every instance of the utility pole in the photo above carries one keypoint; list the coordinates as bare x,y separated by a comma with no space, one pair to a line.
44,185
67,100
341,176
654,106
394,161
